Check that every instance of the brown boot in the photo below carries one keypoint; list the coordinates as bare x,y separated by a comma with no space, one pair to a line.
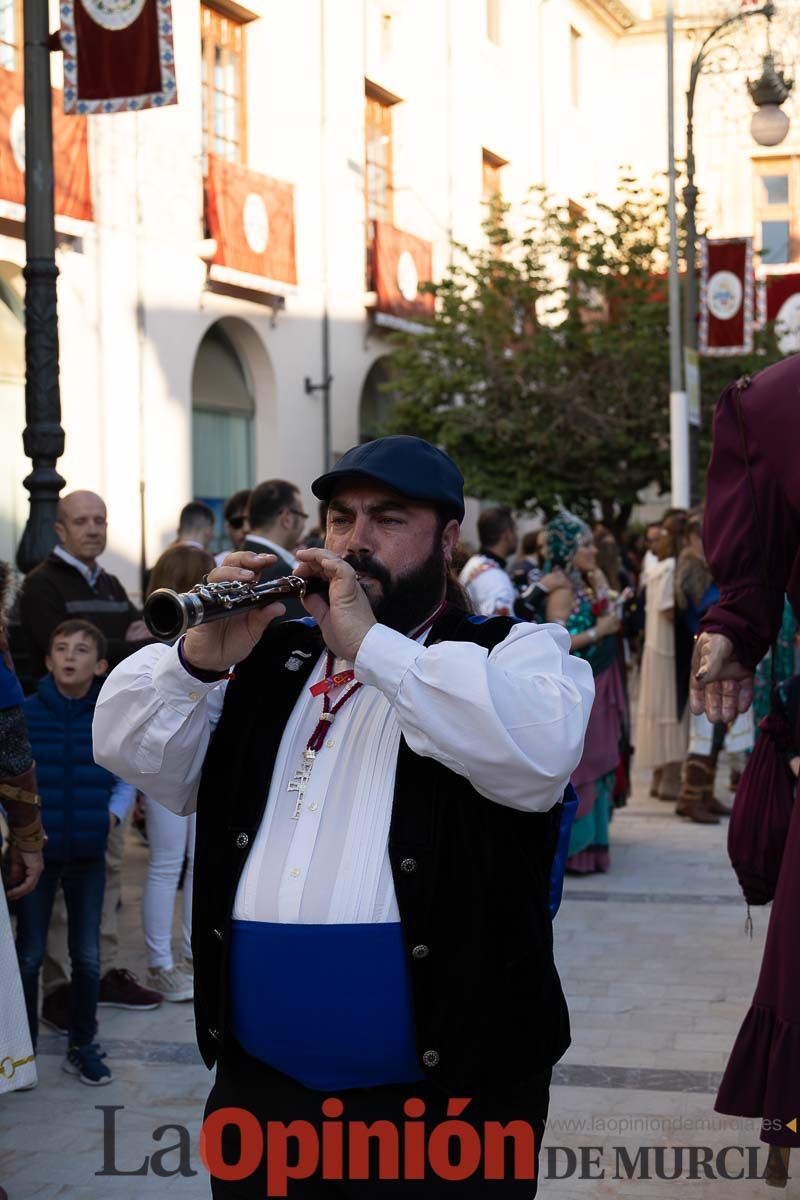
697,786
670,782
718,808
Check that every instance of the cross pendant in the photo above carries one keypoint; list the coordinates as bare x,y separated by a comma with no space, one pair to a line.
300,780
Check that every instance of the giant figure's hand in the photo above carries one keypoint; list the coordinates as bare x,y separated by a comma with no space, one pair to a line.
220,644
719,685
345,617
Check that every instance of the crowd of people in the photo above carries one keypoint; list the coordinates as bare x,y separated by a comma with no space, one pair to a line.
606,627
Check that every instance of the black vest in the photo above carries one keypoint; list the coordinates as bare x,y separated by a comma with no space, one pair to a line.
471,878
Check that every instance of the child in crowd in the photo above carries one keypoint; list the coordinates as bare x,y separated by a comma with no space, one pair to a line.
81,802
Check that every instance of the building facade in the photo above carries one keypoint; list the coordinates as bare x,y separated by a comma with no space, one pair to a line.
225,308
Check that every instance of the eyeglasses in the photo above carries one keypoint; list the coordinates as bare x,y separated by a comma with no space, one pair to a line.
236,522
297,513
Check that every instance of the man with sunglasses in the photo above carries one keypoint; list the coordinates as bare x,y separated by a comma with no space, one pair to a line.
277,520
236,525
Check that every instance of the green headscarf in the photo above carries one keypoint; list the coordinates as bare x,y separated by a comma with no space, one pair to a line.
566,533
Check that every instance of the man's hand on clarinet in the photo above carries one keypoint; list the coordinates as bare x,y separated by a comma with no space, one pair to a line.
345,617
218,645
719,685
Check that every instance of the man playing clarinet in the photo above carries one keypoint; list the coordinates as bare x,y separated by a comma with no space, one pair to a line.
378,792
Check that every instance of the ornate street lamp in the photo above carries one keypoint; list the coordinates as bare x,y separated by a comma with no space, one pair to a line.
768,127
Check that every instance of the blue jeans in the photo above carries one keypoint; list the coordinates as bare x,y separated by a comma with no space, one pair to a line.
83,881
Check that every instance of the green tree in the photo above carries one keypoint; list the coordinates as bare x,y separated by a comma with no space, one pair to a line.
545,370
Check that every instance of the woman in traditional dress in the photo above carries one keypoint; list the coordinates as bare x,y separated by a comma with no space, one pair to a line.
661,732
584,608
23,861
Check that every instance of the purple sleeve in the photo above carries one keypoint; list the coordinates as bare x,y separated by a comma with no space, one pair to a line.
751,532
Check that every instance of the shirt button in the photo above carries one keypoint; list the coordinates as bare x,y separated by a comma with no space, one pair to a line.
408,865
420,952
314,806
242,840
430,1058
193,696
295,871
331,742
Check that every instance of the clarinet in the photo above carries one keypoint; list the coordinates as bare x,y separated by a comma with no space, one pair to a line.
169,614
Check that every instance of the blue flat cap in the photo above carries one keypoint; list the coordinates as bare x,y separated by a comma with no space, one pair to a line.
409,465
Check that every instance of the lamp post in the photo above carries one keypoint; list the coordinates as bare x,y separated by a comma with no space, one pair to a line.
768,127
43,438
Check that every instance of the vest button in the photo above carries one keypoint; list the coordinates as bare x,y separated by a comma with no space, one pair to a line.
217,934
420,952
242,840
408,865
430,1058
215,1034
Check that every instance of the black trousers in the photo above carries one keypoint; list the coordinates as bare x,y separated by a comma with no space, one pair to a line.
406,1142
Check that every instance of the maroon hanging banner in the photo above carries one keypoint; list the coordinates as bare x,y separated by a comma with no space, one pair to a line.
118,55
726,297
783,307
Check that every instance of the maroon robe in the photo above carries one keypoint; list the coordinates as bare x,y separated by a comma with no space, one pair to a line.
751,537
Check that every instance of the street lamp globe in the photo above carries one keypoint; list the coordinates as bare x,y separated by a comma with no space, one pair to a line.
769,125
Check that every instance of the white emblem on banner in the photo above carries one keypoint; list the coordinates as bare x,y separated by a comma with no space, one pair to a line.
114,14
16,136
724,295
407,277
787,325
255,220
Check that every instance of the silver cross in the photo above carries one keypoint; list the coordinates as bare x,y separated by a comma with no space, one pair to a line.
300,780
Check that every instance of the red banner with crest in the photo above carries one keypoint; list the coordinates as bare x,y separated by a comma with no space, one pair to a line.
726,297
118,55
402,262
251,217
73,195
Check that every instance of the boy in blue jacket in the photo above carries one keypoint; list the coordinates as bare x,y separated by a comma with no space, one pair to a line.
81,802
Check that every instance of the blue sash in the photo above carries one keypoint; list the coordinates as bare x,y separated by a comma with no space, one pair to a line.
328,1005
569,808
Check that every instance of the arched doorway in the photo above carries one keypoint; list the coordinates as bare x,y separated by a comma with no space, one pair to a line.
13,497
223,411
377,399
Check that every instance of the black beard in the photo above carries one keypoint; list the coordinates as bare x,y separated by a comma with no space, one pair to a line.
409,599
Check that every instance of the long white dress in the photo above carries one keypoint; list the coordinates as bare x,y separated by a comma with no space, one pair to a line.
17,1060
660,737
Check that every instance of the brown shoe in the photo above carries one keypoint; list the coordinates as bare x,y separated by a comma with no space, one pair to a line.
55,1009
697,791
121,989
670,782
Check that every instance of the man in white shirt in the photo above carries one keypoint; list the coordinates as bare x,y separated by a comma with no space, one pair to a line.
484,576
373,850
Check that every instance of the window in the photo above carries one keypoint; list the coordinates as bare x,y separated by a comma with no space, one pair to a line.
493,21
575,66
378,182
378,157
776,224
10,34
223,85
491,184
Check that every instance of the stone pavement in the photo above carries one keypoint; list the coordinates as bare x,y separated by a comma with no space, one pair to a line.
659,974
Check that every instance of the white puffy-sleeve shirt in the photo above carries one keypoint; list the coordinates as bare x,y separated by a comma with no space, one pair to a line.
511,720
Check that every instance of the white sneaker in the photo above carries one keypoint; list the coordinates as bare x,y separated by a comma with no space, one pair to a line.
172,982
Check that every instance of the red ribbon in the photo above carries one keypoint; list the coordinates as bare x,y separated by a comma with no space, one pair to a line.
324,687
